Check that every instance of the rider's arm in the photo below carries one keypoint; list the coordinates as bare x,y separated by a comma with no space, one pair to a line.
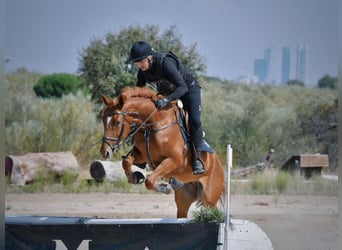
172,74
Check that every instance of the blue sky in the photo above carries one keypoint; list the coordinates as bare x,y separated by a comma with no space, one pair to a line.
47,35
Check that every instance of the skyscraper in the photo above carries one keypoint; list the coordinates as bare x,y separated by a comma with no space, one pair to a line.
285,64
281,64
262,66
301,62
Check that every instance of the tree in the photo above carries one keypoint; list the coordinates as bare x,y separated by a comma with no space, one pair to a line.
103,65
328,82
57,85
324,127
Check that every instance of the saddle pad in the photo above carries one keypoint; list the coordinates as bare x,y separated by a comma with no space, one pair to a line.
206,147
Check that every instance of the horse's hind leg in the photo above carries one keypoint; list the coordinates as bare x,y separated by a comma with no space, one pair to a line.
214,186
185,196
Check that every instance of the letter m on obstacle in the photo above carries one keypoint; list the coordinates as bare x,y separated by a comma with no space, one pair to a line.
84,245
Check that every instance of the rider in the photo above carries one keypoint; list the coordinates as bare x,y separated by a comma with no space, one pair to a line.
169,76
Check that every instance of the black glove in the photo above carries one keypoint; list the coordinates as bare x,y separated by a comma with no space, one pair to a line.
161,103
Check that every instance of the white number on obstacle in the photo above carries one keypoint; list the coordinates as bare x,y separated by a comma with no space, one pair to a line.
61,246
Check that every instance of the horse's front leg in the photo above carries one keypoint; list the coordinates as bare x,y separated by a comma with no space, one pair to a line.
164,168
134,174
127,167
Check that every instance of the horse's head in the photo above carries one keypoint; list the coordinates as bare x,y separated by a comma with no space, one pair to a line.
115,124
134,105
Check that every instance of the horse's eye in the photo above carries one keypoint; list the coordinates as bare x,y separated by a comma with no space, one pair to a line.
116,123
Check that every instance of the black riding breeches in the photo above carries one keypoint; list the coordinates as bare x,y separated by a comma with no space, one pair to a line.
192,104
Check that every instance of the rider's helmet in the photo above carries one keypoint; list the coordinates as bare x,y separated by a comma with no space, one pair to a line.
139,51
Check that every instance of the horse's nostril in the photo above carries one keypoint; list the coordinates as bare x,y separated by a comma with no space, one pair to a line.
107,155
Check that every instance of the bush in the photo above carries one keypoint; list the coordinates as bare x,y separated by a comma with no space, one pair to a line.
262,183
57,85
208,214
52,125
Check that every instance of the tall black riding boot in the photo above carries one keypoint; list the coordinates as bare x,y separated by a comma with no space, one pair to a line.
197,164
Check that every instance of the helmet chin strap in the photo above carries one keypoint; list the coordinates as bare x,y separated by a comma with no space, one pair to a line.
149,60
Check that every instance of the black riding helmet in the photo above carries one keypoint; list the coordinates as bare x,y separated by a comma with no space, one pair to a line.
139,51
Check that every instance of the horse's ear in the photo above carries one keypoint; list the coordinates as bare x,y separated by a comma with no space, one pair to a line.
122,99
106,100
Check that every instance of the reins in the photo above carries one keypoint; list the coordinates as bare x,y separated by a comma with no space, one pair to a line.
143,124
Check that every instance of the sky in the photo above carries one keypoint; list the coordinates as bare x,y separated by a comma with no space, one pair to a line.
47,35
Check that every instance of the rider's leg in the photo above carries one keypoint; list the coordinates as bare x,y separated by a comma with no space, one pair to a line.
196,139
192,103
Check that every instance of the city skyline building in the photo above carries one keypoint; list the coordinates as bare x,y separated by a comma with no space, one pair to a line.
285,64
281,64
260,70
301,62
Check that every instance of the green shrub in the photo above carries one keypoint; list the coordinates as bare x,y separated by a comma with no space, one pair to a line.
57,85
262,183
43,180
208,214
51,125
282,181
68,180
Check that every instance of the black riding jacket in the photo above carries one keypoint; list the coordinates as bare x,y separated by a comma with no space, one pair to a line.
168,75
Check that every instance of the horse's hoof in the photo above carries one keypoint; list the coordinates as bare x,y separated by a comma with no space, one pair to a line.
163,188
176,184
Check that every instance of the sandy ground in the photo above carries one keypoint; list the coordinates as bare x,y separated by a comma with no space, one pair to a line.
291,222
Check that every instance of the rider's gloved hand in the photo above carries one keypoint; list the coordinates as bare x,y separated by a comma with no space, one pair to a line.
161,103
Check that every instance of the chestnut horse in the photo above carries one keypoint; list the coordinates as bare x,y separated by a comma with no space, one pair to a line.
158,141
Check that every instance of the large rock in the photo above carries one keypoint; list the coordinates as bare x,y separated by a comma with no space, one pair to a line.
24,168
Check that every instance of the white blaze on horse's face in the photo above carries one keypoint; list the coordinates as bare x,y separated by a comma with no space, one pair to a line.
109,118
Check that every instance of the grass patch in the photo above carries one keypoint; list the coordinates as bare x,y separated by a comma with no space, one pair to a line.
274,182
282,181
263,183
269,182
208,214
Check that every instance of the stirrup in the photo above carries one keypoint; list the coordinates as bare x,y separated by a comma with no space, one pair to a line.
197,167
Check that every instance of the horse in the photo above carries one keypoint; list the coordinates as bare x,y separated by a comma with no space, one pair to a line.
158,142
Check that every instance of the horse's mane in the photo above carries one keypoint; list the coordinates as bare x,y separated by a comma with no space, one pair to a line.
130,92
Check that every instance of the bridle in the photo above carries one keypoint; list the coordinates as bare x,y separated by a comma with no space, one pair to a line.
116,146
117,140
